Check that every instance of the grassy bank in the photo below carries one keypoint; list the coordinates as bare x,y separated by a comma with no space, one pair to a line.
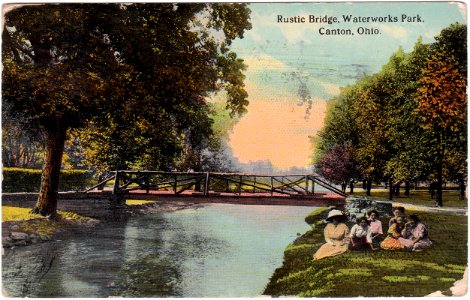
417,197
374,273
35,223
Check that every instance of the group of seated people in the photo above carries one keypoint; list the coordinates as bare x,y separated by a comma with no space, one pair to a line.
404,233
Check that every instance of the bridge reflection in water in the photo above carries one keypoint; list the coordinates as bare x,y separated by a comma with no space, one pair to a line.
212,185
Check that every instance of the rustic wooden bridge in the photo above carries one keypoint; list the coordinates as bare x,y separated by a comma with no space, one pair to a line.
211,185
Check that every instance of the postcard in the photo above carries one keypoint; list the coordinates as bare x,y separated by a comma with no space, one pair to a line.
294,149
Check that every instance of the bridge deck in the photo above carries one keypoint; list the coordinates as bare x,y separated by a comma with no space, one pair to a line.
321,199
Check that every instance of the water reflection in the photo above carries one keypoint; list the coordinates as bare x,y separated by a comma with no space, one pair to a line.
215,250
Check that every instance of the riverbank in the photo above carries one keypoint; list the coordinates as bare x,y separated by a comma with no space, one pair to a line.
375,273
20,228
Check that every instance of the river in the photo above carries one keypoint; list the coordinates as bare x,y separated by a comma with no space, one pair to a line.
213,250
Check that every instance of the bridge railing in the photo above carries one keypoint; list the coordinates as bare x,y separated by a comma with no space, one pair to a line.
211,183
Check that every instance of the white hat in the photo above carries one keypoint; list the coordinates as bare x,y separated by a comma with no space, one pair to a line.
334,213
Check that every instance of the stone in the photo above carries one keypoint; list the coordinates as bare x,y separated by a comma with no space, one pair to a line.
7,242
92,222
20,243
14,227
18,236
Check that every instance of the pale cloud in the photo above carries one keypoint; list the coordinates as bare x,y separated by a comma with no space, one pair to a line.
254,35
396,32
331,89
264,62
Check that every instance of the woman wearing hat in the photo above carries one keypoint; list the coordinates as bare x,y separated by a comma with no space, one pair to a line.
336,236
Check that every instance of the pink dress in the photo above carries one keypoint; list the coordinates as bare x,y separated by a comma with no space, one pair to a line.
411,234
375,229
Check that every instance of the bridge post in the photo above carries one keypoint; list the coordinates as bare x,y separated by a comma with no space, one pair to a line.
313,184
306,185
272,186
206,185
147,182
175,184
254,186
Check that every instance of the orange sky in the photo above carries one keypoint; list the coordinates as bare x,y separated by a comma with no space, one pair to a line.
277,131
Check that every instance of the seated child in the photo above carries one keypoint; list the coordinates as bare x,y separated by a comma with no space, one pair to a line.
375,233
359,234
394,232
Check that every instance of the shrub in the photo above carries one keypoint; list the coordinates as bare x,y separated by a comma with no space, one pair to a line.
29,180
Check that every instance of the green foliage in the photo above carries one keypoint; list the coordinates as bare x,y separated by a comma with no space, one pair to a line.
316,215
381,116
21,142
29,180
136,76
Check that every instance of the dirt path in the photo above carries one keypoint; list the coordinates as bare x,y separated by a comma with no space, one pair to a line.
449,210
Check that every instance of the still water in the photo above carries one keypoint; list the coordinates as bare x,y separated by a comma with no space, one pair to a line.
208,251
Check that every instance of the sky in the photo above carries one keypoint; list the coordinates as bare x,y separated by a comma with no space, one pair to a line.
291,66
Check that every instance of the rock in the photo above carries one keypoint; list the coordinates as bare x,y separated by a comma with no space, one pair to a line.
20,243
92,222
33,236
19,236
45,238
14,227
7,242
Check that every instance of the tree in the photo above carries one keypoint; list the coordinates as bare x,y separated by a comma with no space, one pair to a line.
443,106
337,165
21,144
142,66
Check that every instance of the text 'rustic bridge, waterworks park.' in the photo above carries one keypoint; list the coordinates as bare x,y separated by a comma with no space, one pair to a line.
220,187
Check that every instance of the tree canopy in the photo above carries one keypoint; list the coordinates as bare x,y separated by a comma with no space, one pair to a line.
135,76
408,121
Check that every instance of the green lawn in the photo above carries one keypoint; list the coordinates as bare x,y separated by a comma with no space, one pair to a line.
418,197
374,273
35,223
138,202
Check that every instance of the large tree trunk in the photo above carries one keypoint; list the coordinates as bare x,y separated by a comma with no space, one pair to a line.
461,187
440,164
397,189
55,139
369,186
439,185
407,188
